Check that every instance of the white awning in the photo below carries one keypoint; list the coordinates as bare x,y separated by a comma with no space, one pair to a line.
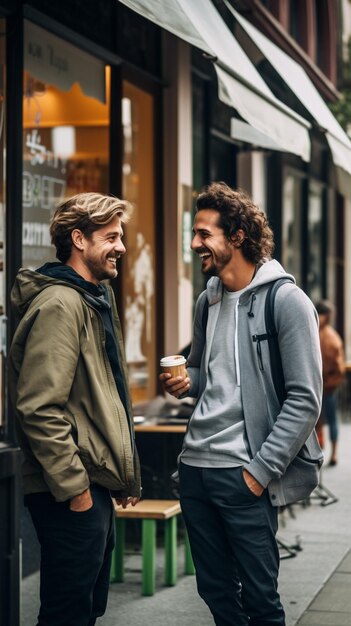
298,81
264,115
243,132
240,84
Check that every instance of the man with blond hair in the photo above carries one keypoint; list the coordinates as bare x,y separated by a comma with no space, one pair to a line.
68,383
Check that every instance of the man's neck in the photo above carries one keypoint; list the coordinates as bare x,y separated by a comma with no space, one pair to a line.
236,277
81,269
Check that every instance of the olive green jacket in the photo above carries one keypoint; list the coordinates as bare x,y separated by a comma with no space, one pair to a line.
72,426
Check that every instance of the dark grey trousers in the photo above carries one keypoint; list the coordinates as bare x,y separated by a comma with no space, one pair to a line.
232,537
76,551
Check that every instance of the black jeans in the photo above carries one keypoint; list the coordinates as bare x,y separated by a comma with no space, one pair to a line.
76,551
232,538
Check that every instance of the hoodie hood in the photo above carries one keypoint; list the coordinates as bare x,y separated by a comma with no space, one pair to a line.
29,283
267,272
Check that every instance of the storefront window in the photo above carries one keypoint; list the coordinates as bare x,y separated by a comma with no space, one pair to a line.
2,229
65,133
138,270
291,226
315,205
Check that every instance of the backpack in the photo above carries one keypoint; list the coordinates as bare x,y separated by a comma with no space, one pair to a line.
270,335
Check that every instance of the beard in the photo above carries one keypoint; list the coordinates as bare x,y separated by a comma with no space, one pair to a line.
101,271
211,271
217,264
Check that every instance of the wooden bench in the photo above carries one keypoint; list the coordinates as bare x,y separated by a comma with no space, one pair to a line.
149,511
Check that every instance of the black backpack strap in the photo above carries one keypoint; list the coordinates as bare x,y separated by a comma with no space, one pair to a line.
274,352
271,336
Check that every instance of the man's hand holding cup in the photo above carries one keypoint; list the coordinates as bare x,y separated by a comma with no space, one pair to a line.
174,376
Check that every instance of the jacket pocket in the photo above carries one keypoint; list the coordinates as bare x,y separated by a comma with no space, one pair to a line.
302,472
304,469
300,479
97,458
311,451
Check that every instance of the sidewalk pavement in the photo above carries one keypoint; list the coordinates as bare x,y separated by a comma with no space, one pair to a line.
315,585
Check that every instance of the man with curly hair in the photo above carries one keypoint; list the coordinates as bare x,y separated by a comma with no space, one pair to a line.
69,388
244,454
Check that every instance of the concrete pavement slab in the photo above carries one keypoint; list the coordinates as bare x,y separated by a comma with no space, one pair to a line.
336,595
314,618
345,565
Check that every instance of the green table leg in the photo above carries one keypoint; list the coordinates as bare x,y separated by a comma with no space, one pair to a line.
189,563
171,551
149,557
117,565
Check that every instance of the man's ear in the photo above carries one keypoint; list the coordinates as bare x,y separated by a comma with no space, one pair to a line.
238,238
77,238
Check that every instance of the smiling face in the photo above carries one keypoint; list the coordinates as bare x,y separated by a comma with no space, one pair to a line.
210,243
100,251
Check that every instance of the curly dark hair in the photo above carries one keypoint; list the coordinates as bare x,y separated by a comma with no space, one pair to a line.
237,211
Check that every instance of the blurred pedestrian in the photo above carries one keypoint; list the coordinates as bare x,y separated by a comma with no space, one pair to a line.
244,454
68,383
332,349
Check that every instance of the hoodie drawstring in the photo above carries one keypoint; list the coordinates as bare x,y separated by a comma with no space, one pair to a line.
236,346
253,298
258,339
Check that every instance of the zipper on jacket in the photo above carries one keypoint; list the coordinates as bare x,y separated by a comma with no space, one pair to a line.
109,374
111,382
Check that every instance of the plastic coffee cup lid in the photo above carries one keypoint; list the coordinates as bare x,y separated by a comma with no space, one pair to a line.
175,359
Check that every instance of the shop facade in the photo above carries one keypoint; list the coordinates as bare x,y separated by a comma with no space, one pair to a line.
97,96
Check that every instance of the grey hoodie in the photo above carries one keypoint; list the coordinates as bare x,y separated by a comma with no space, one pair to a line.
285,455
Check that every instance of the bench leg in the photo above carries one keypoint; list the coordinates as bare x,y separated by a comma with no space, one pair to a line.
171,551
117,565
189,563
149,557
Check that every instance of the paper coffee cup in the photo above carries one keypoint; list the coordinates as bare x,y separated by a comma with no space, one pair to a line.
174,365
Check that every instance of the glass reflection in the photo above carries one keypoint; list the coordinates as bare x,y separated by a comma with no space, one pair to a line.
138,269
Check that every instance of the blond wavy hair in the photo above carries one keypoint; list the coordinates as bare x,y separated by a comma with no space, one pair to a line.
87,212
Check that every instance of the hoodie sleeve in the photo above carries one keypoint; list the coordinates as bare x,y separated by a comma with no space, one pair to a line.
297,326
50,354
